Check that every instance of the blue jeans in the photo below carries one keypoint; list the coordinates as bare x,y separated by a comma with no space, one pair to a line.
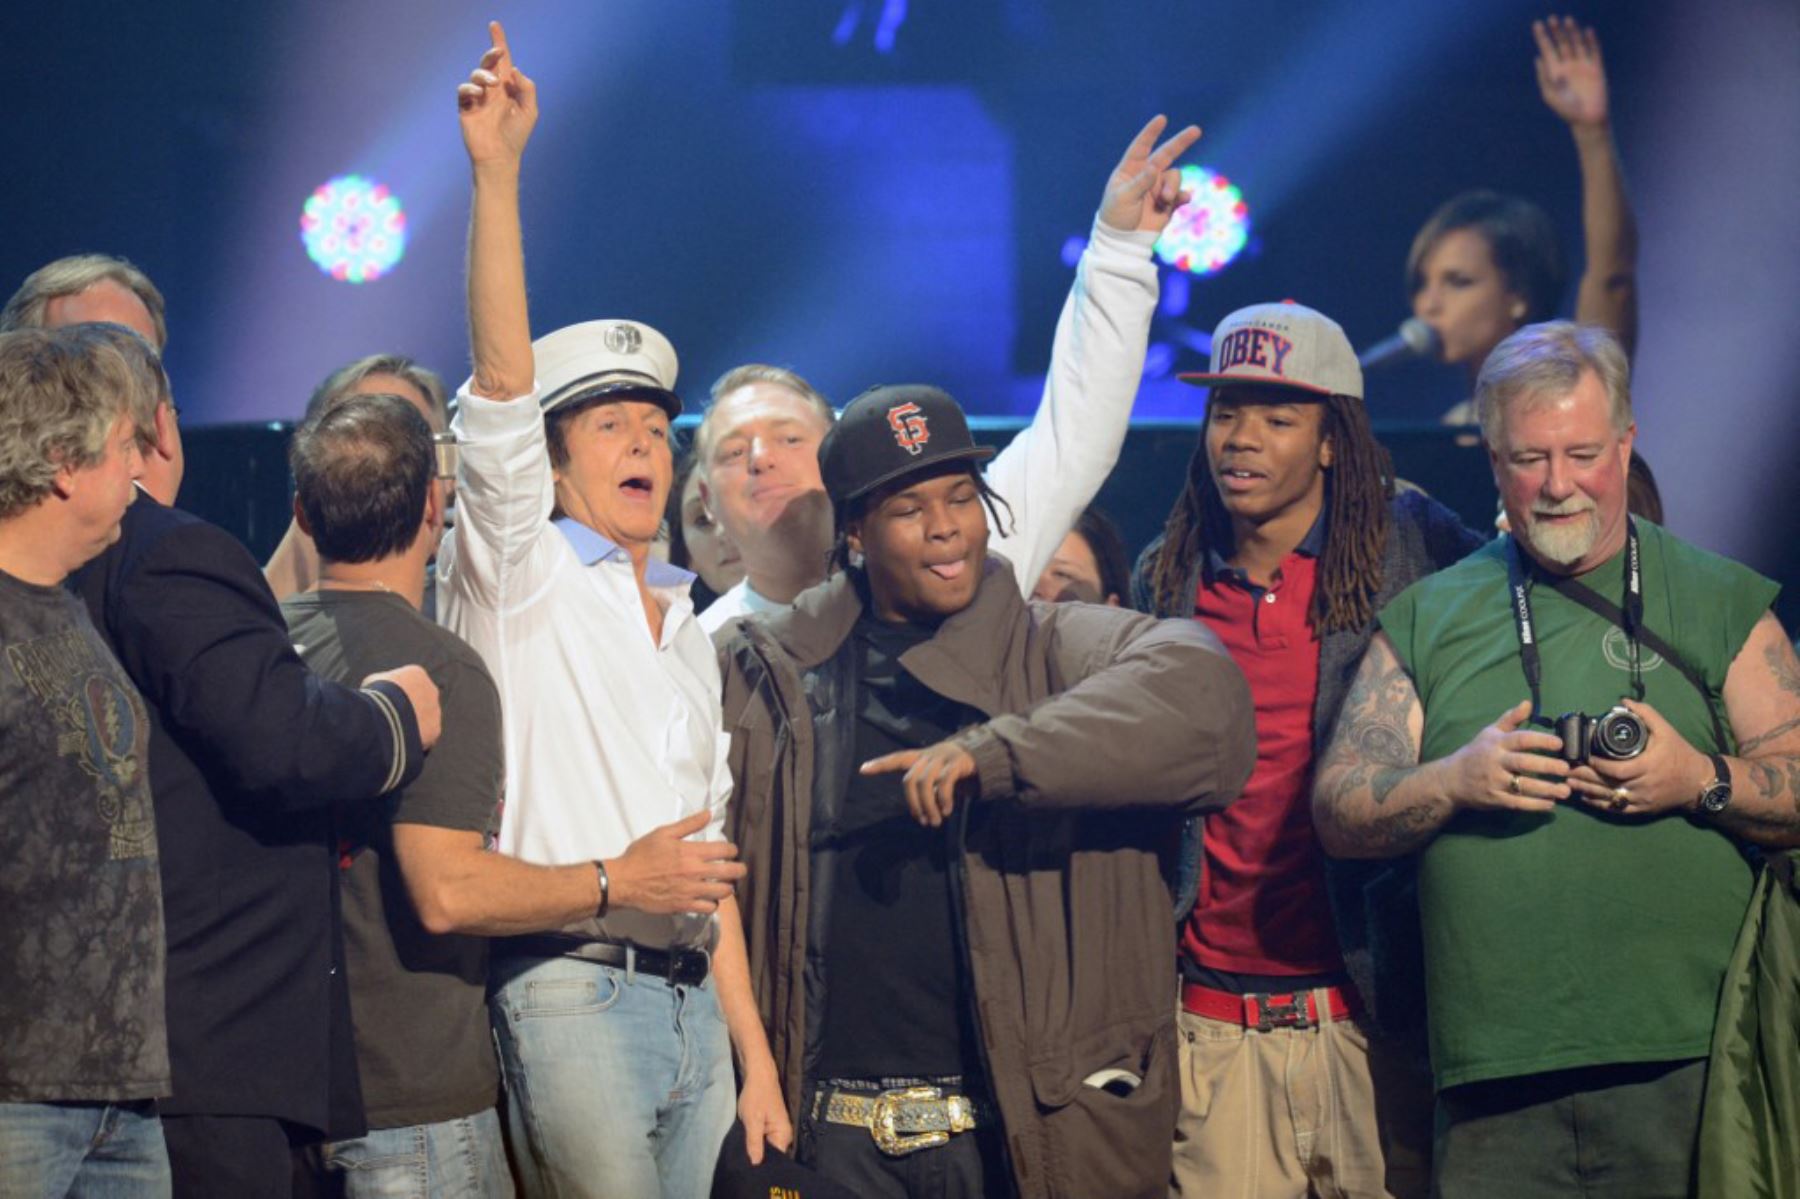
82,1151
615,1085
453,1159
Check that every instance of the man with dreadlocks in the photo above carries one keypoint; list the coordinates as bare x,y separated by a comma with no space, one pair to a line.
951,802
1287,538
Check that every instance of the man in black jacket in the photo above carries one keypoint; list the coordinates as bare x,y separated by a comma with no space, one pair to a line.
247,749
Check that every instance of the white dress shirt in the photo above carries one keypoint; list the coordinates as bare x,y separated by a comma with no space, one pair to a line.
608,733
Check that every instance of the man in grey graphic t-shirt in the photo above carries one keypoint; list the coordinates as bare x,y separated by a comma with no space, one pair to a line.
82,1045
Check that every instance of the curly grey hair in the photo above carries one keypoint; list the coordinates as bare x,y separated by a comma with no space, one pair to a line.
60,392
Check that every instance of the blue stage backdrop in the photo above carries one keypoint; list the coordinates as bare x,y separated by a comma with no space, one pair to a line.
872,191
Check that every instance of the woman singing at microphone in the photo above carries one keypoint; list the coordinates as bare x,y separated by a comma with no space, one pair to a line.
1486,263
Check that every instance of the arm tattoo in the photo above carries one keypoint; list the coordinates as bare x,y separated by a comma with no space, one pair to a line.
1373,733
1371,753
1774,776
1768,777
1405,829
1779,776
1778,779
1383,743
1746,748
1786,669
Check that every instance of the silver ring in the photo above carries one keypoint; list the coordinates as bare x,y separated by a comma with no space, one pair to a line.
1513,785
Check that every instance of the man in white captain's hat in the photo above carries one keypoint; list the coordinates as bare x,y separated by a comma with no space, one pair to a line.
615,752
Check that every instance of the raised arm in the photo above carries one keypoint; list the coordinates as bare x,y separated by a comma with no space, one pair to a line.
503,547
1052,470
1373,799
498,107
1572,79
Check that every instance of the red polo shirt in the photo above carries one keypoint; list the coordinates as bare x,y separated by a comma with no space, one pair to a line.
1262,907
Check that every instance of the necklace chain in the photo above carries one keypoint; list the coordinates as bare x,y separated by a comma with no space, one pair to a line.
337,585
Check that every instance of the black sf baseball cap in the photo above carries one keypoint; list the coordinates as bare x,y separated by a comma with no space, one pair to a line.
892,431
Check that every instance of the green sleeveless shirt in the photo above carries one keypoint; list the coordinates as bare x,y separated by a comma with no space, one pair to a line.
1573,938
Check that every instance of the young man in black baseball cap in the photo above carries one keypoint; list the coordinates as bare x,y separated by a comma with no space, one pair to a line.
965,974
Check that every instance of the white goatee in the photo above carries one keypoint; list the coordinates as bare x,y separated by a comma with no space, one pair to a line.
1562,544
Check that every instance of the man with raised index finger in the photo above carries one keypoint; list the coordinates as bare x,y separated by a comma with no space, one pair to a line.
1576,727
616,1034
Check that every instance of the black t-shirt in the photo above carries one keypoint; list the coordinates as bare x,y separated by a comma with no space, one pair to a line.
418,1001
81,929
896,997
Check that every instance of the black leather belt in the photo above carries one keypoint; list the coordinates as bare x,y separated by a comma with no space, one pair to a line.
680,967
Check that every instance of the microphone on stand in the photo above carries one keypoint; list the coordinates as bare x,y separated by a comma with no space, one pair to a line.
1414,339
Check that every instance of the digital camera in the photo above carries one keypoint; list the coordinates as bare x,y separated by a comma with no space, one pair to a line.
1615,735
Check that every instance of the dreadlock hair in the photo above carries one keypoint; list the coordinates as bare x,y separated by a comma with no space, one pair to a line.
843,514
1358,486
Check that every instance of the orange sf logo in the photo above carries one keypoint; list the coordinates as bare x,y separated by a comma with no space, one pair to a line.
909,428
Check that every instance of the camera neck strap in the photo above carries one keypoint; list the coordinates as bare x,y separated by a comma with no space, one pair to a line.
1519,580
1630,619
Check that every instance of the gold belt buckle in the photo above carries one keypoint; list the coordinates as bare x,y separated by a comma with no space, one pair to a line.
885,1117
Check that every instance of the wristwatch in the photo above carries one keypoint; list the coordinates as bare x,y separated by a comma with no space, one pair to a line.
1715,797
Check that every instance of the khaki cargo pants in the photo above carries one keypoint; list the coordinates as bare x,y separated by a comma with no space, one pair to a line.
1296,1112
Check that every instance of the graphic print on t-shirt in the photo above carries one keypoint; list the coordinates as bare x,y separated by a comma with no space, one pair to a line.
101,726
1615,647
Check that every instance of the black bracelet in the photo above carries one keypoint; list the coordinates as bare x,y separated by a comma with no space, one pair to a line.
605,889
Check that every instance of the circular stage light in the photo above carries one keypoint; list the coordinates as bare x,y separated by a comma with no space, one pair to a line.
353,229
1207,232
